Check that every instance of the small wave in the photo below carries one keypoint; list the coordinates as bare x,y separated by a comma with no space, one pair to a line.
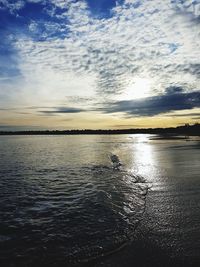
92,211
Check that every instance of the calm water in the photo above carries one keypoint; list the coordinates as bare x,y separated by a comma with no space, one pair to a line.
63,204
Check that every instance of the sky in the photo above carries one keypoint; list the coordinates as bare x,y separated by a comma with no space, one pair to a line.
99,64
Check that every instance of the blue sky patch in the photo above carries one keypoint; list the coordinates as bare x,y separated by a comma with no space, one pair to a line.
101,8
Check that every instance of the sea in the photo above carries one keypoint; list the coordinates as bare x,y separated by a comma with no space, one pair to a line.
65,202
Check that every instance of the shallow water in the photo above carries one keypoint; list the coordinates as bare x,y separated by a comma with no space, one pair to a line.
62,202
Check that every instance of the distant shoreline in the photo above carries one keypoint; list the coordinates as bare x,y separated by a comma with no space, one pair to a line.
180,130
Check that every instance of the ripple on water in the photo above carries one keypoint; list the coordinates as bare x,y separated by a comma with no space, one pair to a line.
73,215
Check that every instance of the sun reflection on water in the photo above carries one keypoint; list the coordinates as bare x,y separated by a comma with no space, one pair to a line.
143,157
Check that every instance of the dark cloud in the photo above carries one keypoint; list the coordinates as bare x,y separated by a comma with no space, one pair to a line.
174,99
184,115
5,127
24,113
174,90
60,110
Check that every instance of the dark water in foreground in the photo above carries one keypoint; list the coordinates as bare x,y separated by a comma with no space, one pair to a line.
63,204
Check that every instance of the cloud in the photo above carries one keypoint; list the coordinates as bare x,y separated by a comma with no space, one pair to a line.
8,59
189,7
133,41
7,127
196,114
81,48
12,6
172,100
61,110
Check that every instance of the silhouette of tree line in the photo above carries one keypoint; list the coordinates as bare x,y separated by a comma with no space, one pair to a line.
179,130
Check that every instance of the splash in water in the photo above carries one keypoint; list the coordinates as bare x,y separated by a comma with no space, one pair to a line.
115,161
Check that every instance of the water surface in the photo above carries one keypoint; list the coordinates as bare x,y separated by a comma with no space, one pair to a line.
63,204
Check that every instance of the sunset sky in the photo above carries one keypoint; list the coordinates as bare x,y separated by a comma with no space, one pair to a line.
74,64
